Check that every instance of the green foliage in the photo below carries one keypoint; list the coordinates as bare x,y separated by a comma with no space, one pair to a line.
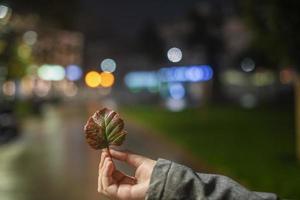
256,147
276,28
105,128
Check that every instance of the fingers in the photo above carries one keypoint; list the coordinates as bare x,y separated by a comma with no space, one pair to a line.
130,158
123,179
103,156
108,169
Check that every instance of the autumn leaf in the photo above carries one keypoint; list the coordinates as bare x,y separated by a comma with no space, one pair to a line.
105,128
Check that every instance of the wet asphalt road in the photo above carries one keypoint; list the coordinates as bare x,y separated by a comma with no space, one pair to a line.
51,159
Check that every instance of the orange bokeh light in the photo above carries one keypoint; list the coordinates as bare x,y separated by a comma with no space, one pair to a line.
92,79
107,79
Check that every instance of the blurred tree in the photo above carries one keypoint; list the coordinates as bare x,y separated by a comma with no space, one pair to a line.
10,58
151,43
276,28
63,13
207,33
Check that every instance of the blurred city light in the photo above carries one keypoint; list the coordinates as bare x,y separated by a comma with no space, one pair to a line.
69,88
107,79
176,90
24,51
26,86
32,69
73,72
42,87
195,73
51,72
247,65
92,79
108,65
152,80
258,79
142,79
234,77
263,78
3,11
287,75
9,88
30,37
174,54
248,101
175,105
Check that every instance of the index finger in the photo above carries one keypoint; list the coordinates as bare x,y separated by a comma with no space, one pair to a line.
130,158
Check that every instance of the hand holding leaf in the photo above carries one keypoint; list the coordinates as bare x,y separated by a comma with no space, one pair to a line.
105,128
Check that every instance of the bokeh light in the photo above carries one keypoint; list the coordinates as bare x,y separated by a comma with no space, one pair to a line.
107,79
42,87
140,80
92,79
175,105
176,90
51,72
108,65
174,54
73,72
248,65
26,86
5,14
194,73
30,37
286,76
24,51
69,88
248,101
9,88
3,11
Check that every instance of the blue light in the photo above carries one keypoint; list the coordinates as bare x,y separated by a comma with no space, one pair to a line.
177,91
73,72
179,74
154,79
196,73
208,72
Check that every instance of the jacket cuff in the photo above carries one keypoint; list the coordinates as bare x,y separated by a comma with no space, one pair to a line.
158,179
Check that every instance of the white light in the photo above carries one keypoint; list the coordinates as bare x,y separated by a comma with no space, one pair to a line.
108,65
3,11
248,101
174,54
175,105
30,37
247,65
42,88
9,88
51,72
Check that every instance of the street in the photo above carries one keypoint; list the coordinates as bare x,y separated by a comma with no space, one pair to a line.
51,160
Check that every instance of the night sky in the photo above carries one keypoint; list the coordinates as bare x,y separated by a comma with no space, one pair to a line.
128,16
100,17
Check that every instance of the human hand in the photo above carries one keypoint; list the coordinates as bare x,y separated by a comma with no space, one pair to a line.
117,185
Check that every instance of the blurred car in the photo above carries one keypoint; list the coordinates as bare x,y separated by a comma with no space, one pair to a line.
8,123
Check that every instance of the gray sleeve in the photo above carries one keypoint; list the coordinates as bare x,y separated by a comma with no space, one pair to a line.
170,180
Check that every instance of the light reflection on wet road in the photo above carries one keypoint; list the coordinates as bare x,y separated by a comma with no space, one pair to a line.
51,159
